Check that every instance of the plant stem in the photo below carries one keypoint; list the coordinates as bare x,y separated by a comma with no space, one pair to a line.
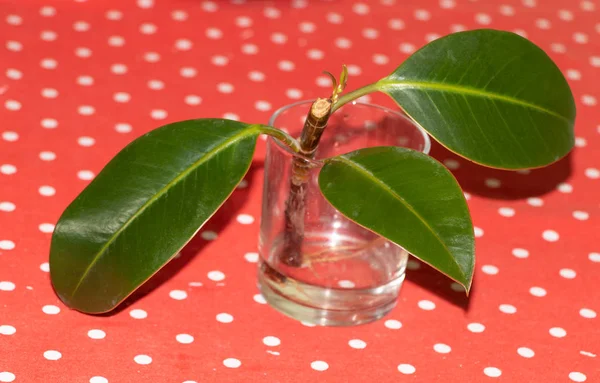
354,95
281,136
315,124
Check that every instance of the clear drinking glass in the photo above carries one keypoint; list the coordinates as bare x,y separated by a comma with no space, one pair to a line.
344,274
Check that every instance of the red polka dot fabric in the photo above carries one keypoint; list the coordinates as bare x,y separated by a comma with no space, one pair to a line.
79,80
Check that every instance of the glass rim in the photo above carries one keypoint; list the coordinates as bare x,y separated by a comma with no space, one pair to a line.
424,134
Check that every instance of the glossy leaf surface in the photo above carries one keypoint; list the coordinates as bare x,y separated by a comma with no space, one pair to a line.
490,96
143,207
408,198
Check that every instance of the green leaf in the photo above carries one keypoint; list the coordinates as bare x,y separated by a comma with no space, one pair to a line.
143,207
490,96
408,198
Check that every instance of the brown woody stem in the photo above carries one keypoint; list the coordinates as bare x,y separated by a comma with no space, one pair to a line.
315,124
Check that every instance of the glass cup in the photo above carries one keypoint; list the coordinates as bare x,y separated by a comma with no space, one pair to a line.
340,273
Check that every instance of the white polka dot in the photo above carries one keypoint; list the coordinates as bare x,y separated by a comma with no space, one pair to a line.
145,4
48,35
52,355
293,93
413,265
520,253
209,235
47,191
587,313
319,365
565,15
286,65
360,8
7,206
82,52
10,136
209,6
158,114
492,183
489,269
271,341
7,286
245,219
393,324
45,267
534,201
50,309
178,294
346,284
12,105
113,14
193,99
258,298
214,33
7,330
86,141
573,74
232,363
580,37
216,275
426,305
357,344
406,369
262,105
224,318
14,19
138,314
184,338
483,19
156,84
7,377
478,231
49,93
279,38
577,376
558,48
14,74
525,352
370,33
564,187
324,81
476,327
85,80
589,100
380,59
47,156
343,43
96,334
46,227
81,26
142,359
123,127
98,379
335,18
86,110
451,164
231,116
85,175
557,332
537,291
550,235
152,57
251,257
595,61
14,46
422,14
183,44
457,28
592,173
179,15
121,97
148,28
407,48
507,309
188,72
506,211
219,60
442,348
447,4
594,257
8,169
249,49
225,87
118,68
116,41
492,372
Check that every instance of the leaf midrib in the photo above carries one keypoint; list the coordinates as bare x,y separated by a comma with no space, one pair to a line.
465,90
206,157
389,190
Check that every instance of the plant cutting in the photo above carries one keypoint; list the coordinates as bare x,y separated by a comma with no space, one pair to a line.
489,96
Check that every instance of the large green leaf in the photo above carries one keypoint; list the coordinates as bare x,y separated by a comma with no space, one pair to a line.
408,198
490,96
143,207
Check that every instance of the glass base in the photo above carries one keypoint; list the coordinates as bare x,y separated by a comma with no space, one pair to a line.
326,306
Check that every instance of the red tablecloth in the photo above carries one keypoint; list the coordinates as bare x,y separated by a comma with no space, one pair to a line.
81,79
